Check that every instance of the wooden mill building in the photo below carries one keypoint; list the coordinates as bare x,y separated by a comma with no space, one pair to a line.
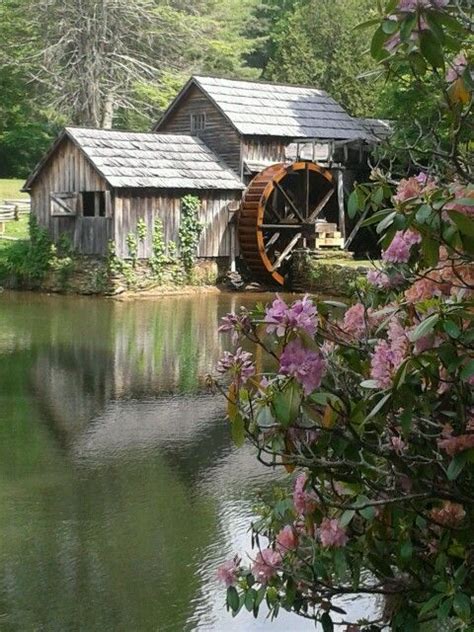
95,185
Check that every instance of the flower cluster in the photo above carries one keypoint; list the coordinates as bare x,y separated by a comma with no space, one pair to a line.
238,364
332,534
228,572
305,365
305,501
300,316
389,355
238,325
401,245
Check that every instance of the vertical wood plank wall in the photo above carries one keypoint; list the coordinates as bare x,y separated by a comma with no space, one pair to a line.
219,134
69,171
132,205
261,148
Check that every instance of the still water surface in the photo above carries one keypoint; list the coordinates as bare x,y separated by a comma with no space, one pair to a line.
120,490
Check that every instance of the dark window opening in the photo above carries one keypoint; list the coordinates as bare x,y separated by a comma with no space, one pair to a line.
198,122
93,204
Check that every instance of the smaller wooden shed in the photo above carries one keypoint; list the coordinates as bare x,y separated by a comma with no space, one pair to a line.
95,185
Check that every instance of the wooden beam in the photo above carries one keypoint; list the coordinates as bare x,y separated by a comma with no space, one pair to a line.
286,252
289,200
271,241
340,200
321,205
355,230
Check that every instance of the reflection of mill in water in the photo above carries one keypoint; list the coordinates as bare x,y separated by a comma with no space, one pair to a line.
132,354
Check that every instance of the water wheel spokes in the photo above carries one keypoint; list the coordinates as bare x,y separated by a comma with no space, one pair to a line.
278,214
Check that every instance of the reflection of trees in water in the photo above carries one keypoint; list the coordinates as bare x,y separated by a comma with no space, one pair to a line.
118,351
107,535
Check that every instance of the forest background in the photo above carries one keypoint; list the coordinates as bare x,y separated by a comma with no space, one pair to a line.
118,63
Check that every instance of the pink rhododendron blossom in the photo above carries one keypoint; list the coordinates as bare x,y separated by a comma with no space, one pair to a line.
453,445
383,281
389,355
305,365
399,249
461,193
305,501
355,320
407,189
266,565
398,444
287,539
449,515
331,534
239,364
456,68
228,572
416,186
301,315
236,324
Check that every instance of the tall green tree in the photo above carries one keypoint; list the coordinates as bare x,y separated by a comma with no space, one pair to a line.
315,43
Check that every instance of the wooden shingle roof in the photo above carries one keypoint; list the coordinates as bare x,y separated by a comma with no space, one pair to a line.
258,108
159,161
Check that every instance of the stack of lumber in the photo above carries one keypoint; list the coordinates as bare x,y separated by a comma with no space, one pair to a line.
327,236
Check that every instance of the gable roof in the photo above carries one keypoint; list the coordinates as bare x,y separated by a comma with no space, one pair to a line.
380,128
158,161
256,108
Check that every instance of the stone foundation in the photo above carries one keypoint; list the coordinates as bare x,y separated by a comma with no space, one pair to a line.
93,275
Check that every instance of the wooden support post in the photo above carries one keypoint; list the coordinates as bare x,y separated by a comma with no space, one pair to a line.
233,237
340,199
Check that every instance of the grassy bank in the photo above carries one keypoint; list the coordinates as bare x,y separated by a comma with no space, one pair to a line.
10,189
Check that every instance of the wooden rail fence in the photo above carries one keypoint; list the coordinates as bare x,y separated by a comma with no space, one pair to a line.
12,210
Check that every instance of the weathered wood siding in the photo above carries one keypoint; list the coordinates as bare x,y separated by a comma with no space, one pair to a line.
264,148
69,171
132,205
219,134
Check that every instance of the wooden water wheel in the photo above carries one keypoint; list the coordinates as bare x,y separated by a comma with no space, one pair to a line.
278,213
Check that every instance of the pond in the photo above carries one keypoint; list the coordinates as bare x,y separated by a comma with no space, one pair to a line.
120,490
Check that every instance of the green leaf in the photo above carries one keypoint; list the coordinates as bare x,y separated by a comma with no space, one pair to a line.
376,217
430,250
369,384
407,25
451,329
465,224
418,63
286,403
457,465
389,26
431,604
462,606
431,49
250,597
346,517
352,204
386,222
367,24
468,370
406,550
445,608
327,623
424,328
238,430
378,406
377,44
233,600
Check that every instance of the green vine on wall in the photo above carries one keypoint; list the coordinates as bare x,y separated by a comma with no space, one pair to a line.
132,246
142,230
190,230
